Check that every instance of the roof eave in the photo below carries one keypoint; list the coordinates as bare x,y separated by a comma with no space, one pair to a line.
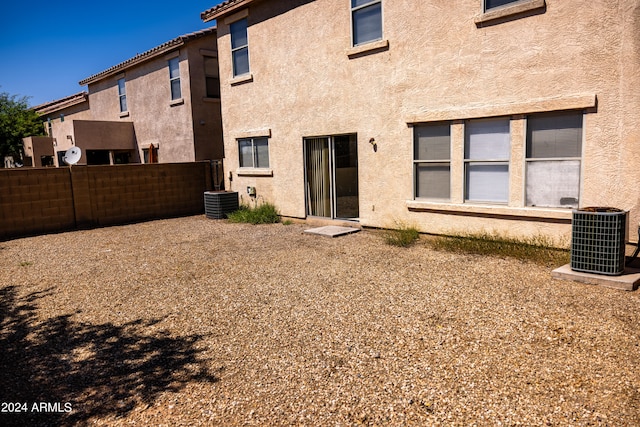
116,69
148,55
223,9
61,104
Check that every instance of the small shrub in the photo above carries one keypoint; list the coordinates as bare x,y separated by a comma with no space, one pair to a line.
403,236
265,213
537,249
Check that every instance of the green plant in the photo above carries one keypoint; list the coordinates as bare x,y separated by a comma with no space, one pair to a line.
266,213
404,235
17,121
25,263
538,249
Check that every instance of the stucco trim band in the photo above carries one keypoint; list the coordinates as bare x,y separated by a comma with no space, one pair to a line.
541,105
366,48
245,78
494,211
505,12
228,20
254,172
209,53
255,133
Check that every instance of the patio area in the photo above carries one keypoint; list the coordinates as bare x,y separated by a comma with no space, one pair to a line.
192,321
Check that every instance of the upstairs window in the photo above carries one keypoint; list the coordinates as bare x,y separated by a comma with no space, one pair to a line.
486,160
122,96
254,152
432,161
212,77
492,4
366,21
554,151
174,78
240,48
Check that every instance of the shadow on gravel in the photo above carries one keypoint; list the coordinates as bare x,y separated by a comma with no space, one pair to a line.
63,372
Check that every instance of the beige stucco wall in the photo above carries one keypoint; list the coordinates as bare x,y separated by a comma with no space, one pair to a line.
36,147
157,119
62,130
206,112
438,65
168,124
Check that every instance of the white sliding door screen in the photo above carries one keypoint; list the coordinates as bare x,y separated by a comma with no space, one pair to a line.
318,182
331,176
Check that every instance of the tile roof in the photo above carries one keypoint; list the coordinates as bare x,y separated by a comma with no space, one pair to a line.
151,53
59,104
223,8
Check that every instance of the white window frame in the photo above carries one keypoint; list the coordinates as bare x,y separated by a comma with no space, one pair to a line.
254,153
122,95
488,161
174,78
560,159
355,9
417,162
239,48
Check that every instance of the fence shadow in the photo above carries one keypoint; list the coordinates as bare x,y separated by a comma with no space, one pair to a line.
93,370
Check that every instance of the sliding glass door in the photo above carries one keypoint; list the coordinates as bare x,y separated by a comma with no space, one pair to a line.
331,176
318,181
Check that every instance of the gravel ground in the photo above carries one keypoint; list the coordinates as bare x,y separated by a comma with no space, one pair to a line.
192,321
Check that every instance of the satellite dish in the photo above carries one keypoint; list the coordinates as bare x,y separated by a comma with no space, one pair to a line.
72,156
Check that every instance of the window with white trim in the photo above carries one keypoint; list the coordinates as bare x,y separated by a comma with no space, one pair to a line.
122,95
240,47
254,152
492,4
366,21
432,161
486,160
174,78
553,159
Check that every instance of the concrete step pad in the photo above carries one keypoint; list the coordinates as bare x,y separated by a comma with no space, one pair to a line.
627,281
332,231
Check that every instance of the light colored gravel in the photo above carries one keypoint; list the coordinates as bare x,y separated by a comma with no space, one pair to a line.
193,321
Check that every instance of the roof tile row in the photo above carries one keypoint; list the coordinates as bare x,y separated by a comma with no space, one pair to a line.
151,53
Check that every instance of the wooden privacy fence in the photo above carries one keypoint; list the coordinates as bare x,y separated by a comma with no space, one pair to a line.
36,201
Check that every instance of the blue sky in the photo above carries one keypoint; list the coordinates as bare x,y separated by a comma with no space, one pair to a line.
48,47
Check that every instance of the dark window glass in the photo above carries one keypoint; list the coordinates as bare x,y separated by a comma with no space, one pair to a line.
367,23
491,4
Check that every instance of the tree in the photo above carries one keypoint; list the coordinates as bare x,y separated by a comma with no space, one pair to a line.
17,121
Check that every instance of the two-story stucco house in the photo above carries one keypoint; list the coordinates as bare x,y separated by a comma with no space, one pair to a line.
465,116
162,105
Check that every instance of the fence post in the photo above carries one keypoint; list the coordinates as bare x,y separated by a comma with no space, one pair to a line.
81,196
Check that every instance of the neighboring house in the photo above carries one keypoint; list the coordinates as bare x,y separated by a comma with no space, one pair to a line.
163,105
58,119
465,116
